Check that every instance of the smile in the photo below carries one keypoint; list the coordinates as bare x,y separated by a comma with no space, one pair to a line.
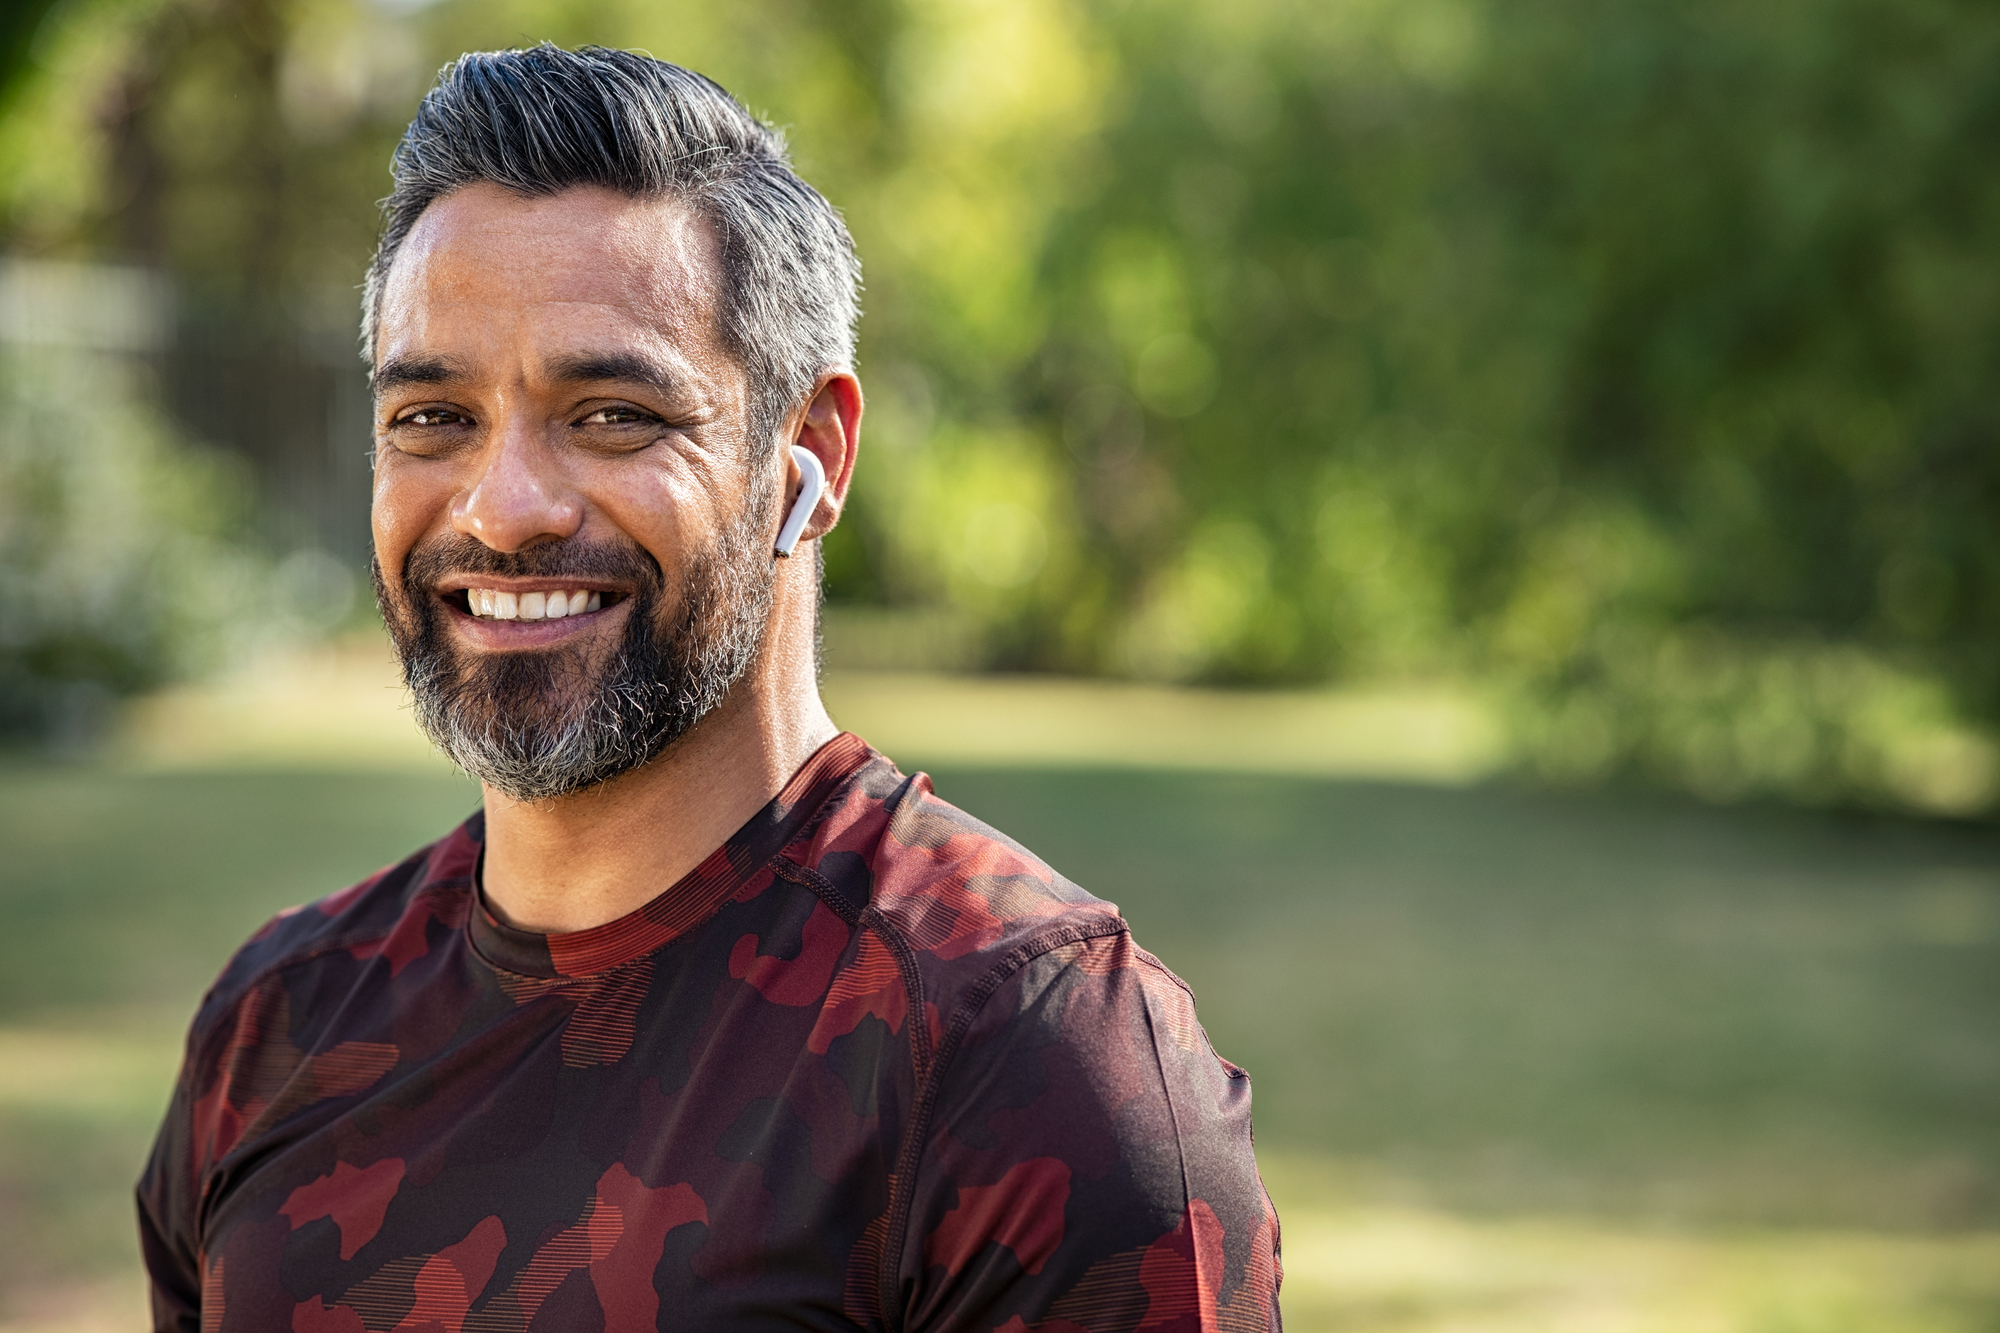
494,604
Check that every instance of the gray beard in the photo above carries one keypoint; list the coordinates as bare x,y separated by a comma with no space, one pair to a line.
542,725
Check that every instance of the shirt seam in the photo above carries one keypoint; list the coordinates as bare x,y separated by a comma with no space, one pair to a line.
338,944
201,1034
1166,1084
871,919
825,889
896,1243
828,892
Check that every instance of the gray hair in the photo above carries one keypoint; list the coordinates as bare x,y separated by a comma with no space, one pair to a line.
543,120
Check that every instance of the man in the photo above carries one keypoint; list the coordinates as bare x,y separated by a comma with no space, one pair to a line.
711,1018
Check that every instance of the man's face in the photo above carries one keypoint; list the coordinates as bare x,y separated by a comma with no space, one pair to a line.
572,527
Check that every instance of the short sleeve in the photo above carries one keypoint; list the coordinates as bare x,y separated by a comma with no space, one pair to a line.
1087,1163
167,1198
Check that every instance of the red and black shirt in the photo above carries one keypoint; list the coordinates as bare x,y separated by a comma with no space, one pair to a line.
870,1065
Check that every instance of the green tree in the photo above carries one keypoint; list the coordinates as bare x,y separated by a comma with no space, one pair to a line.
1631,357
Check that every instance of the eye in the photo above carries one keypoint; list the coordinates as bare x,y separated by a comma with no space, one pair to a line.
618,414
432,416
429,431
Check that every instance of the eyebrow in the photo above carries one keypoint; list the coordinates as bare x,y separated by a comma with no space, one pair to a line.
625,367
585,368
399,371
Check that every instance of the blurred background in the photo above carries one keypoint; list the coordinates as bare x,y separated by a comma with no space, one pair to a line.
1474,523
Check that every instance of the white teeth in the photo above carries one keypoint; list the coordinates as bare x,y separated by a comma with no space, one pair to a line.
495,605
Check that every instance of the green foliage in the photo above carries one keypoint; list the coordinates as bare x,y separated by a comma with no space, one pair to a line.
114,542
1620,354
1531,343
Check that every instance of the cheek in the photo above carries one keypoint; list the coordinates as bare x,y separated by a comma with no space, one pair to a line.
408,501
670,512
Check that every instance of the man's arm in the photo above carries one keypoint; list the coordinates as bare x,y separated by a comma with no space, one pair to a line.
1088,1164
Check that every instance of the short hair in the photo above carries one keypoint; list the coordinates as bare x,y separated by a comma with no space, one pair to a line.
542,120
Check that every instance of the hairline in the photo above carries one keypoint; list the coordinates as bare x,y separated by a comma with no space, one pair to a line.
786,279
430,368
765,414
384,260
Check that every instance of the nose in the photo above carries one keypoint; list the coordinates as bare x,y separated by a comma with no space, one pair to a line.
520,496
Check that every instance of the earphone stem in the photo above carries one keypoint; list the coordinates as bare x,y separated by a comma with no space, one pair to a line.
812,484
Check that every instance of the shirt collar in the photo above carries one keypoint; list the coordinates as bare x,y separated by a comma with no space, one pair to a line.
691,900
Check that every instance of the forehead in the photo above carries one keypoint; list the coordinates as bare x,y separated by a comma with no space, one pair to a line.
485,267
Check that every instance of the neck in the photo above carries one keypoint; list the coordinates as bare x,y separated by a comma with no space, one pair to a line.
590,858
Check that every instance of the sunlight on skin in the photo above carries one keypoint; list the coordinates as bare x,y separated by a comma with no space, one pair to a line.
553,368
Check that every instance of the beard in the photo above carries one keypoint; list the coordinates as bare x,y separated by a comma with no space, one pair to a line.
543,724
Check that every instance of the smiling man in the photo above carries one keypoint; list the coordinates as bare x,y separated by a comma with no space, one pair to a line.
710,1018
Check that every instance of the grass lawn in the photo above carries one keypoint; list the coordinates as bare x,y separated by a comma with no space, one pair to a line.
1523,1061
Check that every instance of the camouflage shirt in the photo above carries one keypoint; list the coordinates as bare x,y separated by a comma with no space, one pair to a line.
870,1065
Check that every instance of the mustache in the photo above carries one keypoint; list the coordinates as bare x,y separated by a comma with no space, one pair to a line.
432,562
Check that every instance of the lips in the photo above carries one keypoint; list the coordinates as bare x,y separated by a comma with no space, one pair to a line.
537,596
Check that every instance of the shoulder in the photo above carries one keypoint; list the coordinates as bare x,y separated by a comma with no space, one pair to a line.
358,921
1075,1143
964,902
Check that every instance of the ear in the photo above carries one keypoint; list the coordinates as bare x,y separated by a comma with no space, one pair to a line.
830,429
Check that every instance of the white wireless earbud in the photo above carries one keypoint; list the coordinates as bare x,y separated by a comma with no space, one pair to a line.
812,484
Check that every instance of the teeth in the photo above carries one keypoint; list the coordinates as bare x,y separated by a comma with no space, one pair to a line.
495,605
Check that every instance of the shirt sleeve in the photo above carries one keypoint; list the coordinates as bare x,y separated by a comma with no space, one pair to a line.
1088,1163
166,1197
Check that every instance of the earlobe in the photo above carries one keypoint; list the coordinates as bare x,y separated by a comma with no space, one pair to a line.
812,484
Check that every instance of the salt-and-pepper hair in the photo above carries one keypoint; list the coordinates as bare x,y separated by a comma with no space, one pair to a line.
543,120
